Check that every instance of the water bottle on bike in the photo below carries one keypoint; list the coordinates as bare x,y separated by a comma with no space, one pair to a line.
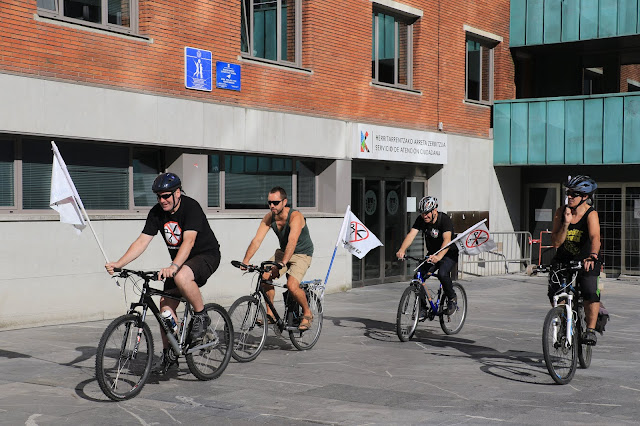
170,321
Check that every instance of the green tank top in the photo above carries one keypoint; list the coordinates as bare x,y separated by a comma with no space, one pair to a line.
304,246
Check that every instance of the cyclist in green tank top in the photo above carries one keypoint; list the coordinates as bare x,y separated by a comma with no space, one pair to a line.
294,254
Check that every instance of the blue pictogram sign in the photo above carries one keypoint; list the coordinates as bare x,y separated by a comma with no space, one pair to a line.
228,76
197,69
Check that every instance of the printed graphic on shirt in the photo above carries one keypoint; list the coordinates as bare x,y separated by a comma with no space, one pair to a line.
172,233
572,242
434,232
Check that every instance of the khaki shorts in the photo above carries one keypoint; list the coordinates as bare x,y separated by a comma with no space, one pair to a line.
297,266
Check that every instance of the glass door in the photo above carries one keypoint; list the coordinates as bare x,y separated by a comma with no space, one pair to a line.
393,228
357,207
373,209
415,192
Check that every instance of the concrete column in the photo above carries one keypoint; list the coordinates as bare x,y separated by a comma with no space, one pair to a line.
334,187
192,169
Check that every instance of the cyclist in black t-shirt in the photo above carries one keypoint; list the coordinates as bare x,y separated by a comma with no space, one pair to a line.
193,247
576,235
438,232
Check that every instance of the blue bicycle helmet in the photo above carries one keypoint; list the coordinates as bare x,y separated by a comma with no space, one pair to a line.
166,182
581,184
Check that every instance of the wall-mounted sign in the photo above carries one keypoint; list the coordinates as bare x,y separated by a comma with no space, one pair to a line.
197,69
394,144
228,76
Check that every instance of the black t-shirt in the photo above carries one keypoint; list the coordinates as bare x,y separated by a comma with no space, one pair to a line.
433,233
188,217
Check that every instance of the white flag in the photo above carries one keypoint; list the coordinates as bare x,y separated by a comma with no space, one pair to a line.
357,238
475,240
64,196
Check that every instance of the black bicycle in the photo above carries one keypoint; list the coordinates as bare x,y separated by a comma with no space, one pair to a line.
417,304
564,326
125,351
250,321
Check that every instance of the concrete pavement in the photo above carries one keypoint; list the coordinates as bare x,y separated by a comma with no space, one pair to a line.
358,373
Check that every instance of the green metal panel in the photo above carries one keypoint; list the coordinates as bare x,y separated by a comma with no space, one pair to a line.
608,18
552,21
570,20
555,132
501,133
517,22
627,16
574,136
537,132
612,131
631,139
519,116
534,25
588,19
593,117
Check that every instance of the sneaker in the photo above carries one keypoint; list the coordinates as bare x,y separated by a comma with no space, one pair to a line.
451,306
167,360
423,314
199,326
590,337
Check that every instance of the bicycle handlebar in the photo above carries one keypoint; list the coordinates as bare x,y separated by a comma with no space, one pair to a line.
145,275
572,265
264,266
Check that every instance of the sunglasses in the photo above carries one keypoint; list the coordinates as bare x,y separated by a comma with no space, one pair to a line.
165,196
274,203
573,194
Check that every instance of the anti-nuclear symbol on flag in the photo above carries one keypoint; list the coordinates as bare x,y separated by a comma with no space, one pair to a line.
359,232
172,233
477,238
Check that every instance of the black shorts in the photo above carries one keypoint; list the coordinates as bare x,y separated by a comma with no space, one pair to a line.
202,265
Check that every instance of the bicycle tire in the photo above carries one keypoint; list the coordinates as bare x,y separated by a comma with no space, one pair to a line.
120,375
559,355
209,362
452,323
584,350
408,312
249,336
305,340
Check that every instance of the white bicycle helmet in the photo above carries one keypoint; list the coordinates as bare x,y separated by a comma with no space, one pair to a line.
427,204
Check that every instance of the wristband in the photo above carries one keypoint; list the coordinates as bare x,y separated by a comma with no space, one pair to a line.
175,264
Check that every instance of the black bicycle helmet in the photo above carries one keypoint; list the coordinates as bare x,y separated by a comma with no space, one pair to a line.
166,182
427,204
581,184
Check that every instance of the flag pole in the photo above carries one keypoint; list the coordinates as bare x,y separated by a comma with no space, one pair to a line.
77,196
345,221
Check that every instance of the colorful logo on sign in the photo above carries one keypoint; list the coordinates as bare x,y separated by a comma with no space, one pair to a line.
363,141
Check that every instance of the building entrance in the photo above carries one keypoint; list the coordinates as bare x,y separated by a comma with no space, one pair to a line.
387,208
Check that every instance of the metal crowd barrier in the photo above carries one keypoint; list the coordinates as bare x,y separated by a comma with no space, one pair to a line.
512,255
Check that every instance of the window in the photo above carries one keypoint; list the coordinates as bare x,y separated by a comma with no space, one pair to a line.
392,49
7,198
479,70
213,181
271,30
99,172
249,179
146,166
120,15
306,194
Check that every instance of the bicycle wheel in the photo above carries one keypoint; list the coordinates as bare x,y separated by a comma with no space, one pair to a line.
584,351
304,340
122,366
452,324
408,311
249,321
208,359
559,352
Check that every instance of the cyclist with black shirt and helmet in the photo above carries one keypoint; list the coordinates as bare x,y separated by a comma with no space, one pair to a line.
194,251
438,232
576,235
